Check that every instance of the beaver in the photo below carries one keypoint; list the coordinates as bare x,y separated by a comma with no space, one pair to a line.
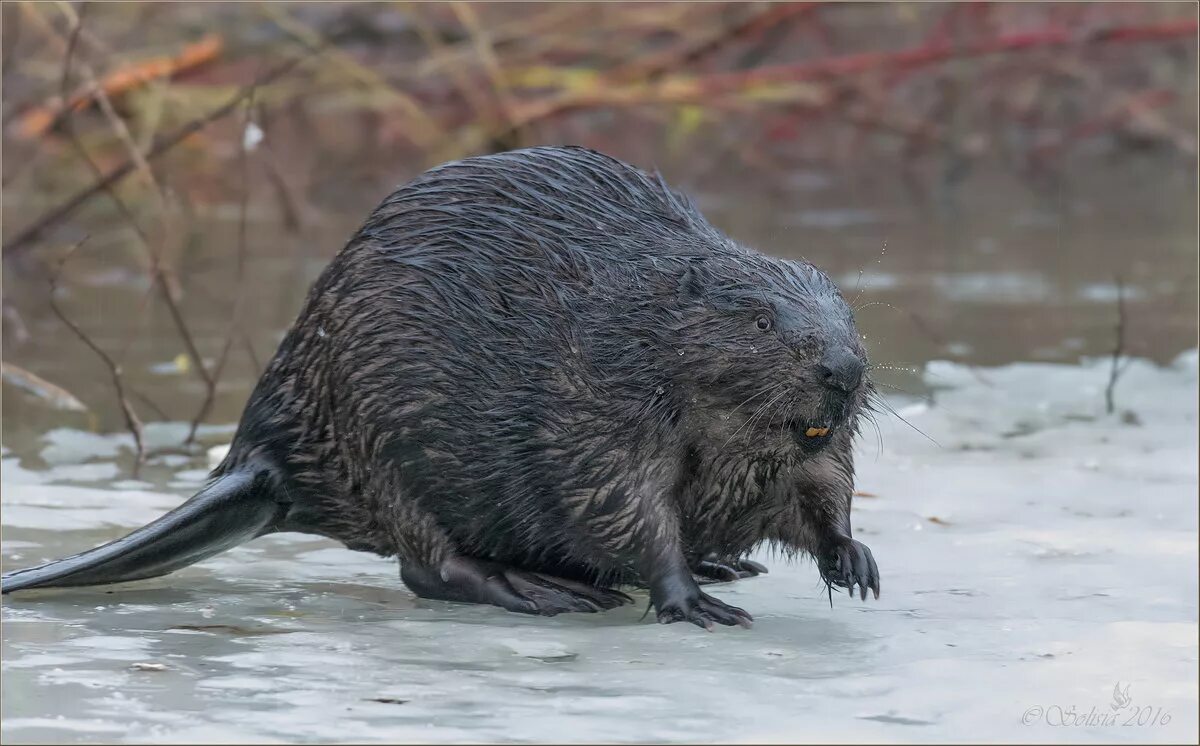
533,377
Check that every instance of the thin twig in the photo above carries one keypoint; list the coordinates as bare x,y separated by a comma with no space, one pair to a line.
93,90
97,92
421,129
291,204
486,52
459,72
157,272
235,318
251,353
153,405
132,422
648,67
161,146
1116,369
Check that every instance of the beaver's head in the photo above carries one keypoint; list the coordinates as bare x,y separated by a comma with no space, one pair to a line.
770,351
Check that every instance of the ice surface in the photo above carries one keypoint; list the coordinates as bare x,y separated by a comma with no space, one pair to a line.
1035,552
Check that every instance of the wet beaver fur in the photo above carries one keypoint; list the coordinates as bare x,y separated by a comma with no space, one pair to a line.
533,376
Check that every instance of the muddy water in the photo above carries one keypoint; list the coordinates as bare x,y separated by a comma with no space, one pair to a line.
294,639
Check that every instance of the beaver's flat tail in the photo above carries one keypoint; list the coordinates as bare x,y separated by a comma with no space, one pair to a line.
231,510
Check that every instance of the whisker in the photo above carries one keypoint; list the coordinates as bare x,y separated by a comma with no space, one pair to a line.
858,285
898,388
771,419
752,396
869,415
906,369
878,303
766,409
891,410
755,414
787,406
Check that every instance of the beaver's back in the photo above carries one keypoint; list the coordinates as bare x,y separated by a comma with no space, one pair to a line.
494,271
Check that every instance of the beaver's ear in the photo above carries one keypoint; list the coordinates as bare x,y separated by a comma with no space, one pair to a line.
693,282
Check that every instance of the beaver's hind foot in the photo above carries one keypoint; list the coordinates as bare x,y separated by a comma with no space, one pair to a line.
713,569
471,580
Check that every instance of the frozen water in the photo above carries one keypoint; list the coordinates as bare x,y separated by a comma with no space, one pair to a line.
1039,570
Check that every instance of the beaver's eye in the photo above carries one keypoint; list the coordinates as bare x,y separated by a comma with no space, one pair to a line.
762,323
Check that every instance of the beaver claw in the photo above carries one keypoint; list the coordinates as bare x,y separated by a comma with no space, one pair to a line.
713,569
702,610
846,563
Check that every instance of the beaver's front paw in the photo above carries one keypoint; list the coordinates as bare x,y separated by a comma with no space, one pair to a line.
685,602
845,562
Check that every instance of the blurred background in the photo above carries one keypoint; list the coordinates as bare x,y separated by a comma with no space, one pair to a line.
987,182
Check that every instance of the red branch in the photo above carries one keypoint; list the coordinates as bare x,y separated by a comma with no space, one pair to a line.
939,51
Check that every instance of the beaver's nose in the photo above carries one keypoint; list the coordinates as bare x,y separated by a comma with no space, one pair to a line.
841,369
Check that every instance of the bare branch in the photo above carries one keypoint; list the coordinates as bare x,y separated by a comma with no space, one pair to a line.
161,146
691,51
1115,371
235,318
54,395
132,422
251,353
154,256
144,399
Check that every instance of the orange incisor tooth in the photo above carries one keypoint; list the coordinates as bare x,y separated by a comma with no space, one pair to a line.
816,432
